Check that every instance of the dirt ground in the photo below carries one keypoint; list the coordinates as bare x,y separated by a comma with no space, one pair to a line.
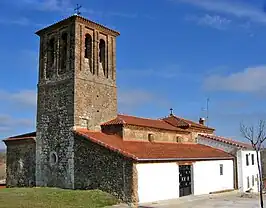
231,199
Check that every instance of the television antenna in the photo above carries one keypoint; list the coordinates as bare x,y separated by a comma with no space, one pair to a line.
206,109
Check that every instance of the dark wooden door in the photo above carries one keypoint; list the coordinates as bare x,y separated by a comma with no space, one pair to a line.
184,180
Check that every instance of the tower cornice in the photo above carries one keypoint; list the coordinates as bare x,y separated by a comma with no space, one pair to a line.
77,18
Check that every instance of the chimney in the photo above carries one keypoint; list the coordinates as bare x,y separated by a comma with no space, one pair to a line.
202,121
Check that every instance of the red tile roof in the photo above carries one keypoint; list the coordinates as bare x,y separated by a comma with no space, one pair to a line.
27,136
139,150
227,141
184,123
144,122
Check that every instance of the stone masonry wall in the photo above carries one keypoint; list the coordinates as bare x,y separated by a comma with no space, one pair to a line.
99,168
141,133
20,163
71,96
55,115
95,93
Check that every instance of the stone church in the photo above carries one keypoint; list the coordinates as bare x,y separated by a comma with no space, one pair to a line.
82,143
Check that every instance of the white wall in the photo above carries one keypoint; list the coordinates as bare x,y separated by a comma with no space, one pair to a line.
157,181
207,176
245,171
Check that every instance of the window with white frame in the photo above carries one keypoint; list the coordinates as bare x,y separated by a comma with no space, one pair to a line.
253,180
247,160
252,159
248,184
221,169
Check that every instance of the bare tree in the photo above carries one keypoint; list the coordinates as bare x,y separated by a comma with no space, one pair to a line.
256,136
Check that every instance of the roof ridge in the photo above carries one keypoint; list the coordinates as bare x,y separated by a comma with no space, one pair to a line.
188,120
120,119
154,119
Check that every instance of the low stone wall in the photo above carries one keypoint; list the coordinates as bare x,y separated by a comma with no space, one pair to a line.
20,164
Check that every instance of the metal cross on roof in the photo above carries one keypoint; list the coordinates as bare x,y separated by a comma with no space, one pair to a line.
171,111
77,9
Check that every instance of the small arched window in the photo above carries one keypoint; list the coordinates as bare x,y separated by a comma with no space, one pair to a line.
51,51
51,57
102,56
88,46
88,51
151,137
53,158
63,53
178,139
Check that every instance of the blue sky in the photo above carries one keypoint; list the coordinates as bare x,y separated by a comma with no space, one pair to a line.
171,53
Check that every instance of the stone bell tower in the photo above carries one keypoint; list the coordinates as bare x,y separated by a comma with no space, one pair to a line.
76,88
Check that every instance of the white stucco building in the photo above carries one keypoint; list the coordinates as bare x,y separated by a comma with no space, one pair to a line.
161,181
246,173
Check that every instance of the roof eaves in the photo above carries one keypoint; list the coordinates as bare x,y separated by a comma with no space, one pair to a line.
39,32
185,159
18,139
216,138
126,154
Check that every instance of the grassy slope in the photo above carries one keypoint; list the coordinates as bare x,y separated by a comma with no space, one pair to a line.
53,198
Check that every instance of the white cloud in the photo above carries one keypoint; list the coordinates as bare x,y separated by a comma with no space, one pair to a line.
169,72
48,5
235,8
8,123
132,99
23,21
251,80
214,21
23,98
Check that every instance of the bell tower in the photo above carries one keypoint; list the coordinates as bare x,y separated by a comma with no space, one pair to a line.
76,88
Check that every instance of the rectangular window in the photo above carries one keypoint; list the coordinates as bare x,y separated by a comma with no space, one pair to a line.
253,180
248,185
252,159
247,162
221,169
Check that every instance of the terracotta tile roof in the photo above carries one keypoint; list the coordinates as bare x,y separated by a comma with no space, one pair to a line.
144,122
27,136
184,123
139,150
227,141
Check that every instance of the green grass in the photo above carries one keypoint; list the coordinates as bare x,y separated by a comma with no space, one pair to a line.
53,198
